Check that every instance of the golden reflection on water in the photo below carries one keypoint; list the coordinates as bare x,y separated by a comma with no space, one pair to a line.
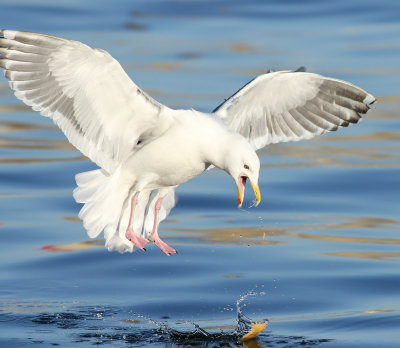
34,144
263,235
374,255
242,47
378,136
366,222
347,314
345,239
248,235
253,344
11,108
357,223
9,126
90,244
41,160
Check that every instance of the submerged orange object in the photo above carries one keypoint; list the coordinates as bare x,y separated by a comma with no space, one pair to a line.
255,330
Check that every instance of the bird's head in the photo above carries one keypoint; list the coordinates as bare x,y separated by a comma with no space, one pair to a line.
242,163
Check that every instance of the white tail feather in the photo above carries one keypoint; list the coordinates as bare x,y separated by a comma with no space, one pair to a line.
103,196
107,208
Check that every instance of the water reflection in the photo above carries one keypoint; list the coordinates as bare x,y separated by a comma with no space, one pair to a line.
365,222
271,236
105,325
41,160
85,245
33,143
374,255
14,108
253,235
346,314
335,156
314,254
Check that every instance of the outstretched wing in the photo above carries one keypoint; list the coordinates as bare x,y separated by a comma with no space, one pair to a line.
292,105
85,91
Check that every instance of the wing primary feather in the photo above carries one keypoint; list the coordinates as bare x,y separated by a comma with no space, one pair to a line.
305,123
318,112
33,85
297,128
23,76
344,89
35,39
15,45
41,102
317,120
22,56
292,124
343,101
275,127
349,115
288,134
33,93
21,66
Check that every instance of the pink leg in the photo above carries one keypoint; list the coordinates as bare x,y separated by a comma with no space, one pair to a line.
154,233
130,234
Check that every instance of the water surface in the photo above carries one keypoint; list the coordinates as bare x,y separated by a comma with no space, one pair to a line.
324,243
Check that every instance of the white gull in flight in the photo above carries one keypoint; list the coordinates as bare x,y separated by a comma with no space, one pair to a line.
145,149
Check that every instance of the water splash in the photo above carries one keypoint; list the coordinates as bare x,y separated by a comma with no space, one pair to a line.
244,323
198,334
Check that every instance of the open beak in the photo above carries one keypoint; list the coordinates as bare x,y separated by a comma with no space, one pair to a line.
241,186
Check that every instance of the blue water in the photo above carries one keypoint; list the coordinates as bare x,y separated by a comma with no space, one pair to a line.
324,243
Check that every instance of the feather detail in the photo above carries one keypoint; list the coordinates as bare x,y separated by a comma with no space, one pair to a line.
86,93
292,105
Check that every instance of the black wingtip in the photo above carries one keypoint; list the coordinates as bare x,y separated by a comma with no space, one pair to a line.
369,99
301,69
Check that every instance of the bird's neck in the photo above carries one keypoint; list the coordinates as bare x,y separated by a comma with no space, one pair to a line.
218,146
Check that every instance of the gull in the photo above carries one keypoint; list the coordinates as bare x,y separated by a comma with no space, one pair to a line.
144,149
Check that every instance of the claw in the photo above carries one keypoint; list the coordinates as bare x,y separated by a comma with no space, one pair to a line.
165,248
135,239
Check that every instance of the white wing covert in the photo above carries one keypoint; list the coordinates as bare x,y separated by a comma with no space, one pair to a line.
292,105
85,91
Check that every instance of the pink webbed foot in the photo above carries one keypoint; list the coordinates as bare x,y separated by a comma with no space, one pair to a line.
136,240
163,246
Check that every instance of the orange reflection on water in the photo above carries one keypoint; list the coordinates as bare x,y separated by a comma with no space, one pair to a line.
375,255
251,235
90,244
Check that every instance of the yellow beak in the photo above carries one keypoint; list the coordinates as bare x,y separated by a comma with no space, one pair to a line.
257,194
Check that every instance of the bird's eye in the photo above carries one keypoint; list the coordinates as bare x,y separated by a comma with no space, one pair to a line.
246,166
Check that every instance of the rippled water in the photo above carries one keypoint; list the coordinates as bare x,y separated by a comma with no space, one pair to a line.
324,243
